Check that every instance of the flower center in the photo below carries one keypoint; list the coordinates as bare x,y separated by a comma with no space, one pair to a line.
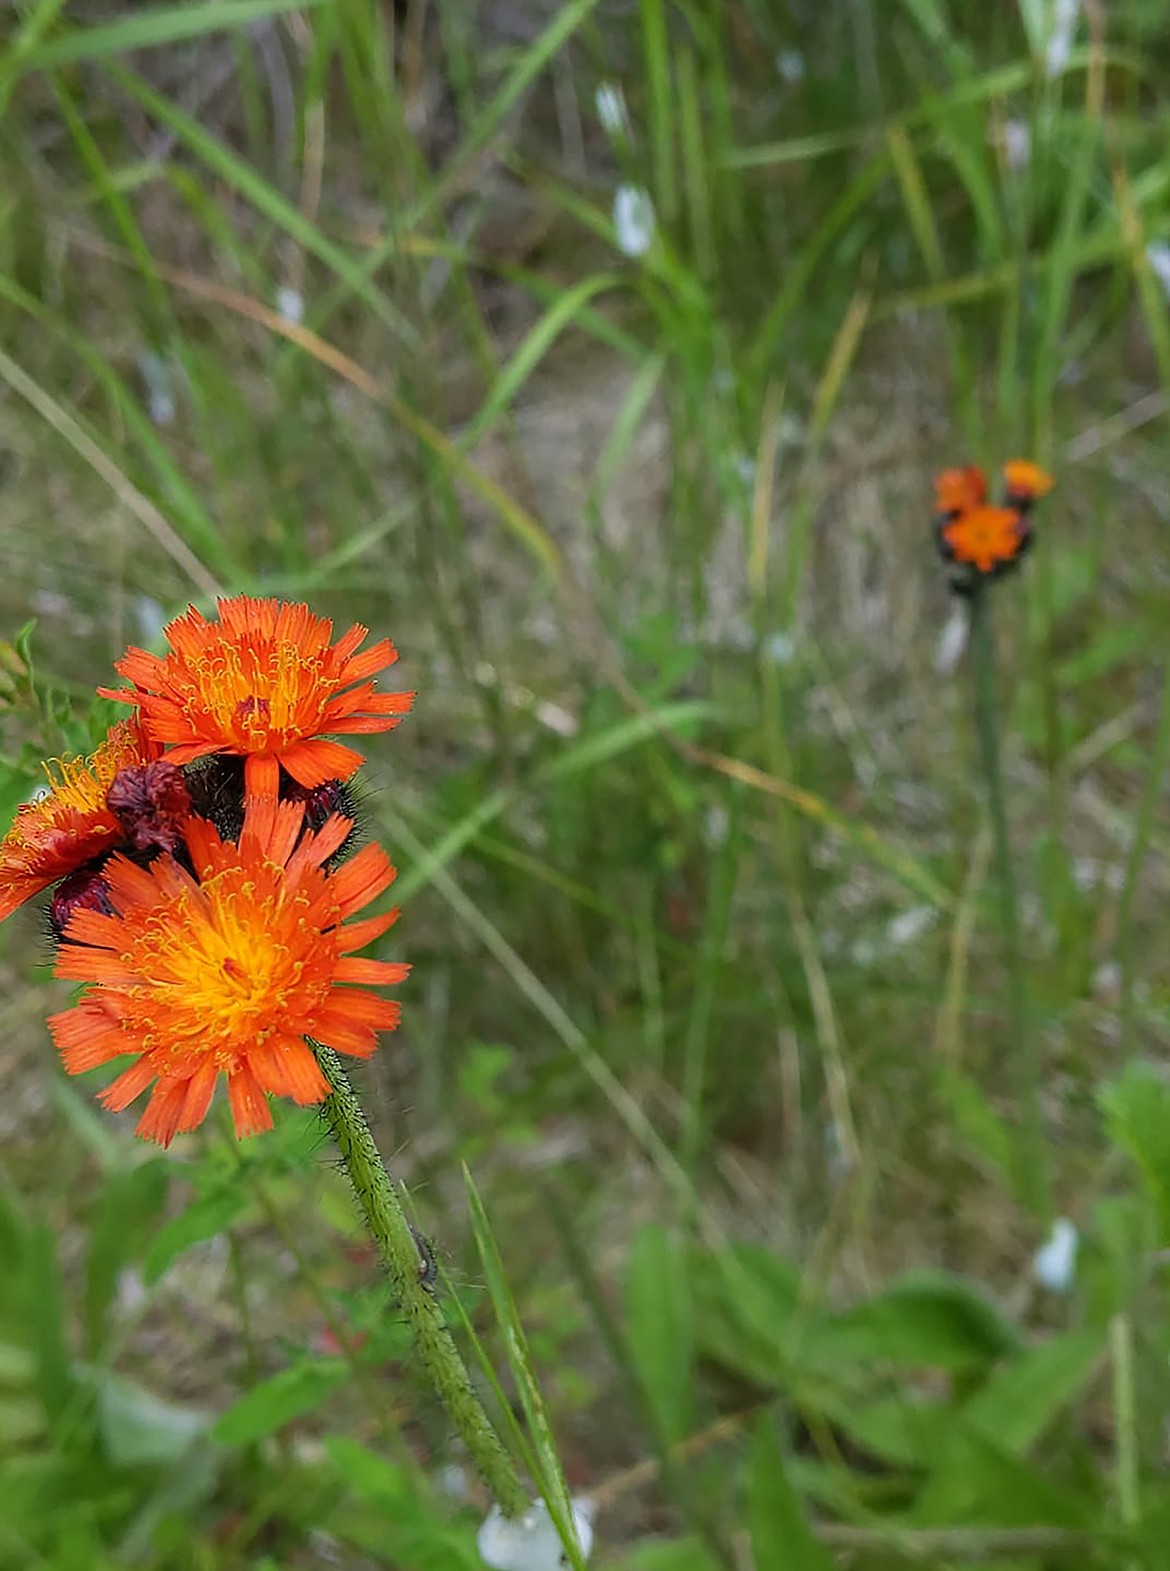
260,695
229,964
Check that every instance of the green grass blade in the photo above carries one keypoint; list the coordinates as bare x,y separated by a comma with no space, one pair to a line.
222,161
550,1474
147,29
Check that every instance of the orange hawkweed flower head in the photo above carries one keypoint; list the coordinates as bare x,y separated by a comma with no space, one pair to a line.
985,538
958,490
1025,482
979,541
264,683
225,966
73,822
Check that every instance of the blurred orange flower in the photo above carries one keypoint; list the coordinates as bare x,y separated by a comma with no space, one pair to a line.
72,823
1025,482
957,490
263,683
228,971
986,538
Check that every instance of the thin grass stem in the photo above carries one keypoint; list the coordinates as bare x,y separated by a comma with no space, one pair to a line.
1033,1167
378,1200
1135,860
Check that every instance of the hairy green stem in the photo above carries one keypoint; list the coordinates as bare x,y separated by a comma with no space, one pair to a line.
433,1344
1033,1167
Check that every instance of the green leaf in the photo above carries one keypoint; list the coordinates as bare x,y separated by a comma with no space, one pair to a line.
276,1402
902,1428
978,1482
141,1429
1019,1401
748,1311
924,1319
782,1539
205,1218
660,1328
1137,1113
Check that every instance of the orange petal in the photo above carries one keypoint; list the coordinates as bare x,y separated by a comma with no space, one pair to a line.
317,759
261,777
251,1114
177,730
337,1032
364,700
18,892
120,695
129,885
376,658
82,963
86,1037
286,1066
371,973
362,879
317,848
205,846
196,1101
366,725
348,642
356,935
162,1119
129,1084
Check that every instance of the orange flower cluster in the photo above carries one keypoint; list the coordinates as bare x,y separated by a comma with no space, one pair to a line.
199,856
980,541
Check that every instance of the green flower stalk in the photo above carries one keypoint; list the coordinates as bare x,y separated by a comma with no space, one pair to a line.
408,1273
979,543
1033,1174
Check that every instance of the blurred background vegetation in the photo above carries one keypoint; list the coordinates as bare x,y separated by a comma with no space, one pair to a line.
602,354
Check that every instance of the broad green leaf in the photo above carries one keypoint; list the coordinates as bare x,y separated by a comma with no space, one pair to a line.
1019,1401
922,1319
204,1218
978,1482
276,1402
782,1539
901,1428
748,1311
660,1328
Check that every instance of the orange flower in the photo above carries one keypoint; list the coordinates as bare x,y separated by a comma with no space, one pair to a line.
986,538
263,683
1025,482
56,835
228,971
958,490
